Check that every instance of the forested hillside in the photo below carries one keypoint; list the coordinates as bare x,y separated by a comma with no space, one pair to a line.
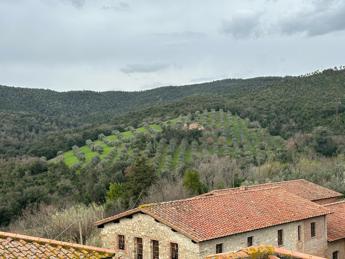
168,148
31,118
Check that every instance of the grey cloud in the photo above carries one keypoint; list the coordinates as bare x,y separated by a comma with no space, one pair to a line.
77,3
121,6
319,18
181,34
326,17
144,68
322,5
242,25
178,38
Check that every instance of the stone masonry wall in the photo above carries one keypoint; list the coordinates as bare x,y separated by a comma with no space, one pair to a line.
315,245
336,246
269,236
148,229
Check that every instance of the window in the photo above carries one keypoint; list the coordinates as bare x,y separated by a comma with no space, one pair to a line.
299,230
121,242
280,237
335,255
219,248
155,249
313,229
250,241
174,250
138,248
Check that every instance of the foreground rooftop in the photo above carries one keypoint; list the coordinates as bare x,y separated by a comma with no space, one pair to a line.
22,246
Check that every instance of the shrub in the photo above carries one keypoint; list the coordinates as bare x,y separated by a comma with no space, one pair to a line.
95,160
323,141
63,224
99,149
191,181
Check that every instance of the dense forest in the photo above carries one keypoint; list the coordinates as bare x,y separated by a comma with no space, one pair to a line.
109,151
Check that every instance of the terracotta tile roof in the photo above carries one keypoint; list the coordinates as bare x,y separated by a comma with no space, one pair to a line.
300,187
336,221
21,246
256,251
208,217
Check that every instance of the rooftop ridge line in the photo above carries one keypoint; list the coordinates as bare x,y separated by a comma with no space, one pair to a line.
203,196
256,185
277,184
334,203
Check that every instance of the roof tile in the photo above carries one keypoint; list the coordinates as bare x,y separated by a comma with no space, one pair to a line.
299,187
21,246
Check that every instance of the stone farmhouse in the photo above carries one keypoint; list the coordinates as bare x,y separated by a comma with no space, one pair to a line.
295,215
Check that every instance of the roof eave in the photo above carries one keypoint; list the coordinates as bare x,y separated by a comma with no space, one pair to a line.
110,219
339,195
101,223
335,239
287,222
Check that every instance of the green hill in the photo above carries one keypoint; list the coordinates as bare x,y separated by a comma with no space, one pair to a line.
41,122
175,143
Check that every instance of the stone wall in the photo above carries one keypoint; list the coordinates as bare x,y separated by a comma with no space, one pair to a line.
148,229
336,246
315,245
269,236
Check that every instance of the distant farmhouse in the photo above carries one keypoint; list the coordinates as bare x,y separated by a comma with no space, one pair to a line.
296,216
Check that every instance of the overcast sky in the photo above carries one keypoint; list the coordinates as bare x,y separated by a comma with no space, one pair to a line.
141,44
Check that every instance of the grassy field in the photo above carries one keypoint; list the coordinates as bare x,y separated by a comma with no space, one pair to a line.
223,134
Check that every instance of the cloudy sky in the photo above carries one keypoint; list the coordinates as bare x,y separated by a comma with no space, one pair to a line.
141,44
